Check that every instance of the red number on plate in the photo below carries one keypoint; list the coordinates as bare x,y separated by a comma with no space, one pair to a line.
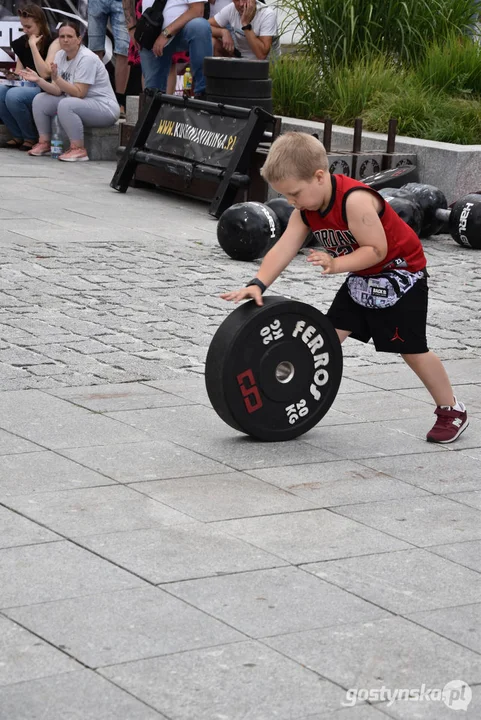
247,384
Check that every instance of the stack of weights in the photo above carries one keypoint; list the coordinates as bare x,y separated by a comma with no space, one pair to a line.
235,81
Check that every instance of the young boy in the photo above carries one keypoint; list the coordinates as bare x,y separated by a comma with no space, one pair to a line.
385,295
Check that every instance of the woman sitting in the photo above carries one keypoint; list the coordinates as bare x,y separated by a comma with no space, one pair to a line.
80,94
35,49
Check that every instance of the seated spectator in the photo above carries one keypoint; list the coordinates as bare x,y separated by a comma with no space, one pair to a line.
184,28
99,13
80,94
35,49
247,29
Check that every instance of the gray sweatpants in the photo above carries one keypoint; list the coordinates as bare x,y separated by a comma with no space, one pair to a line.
73,114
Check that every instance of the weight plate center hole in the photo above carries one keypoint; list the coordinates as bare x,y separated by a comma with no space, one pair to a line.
285,372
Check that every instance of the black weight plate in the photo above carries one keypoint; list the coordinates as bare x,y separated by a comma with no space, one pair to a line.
235,68
273,371
239,88
395,178
246,102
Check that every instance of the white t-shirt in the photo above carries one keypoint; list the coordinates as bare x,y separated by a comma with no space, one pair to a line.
264,24
86,67
218,6
172,10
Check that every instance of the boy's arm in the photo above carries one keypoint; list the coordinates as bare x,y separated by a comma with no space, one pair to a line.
362,210
278,258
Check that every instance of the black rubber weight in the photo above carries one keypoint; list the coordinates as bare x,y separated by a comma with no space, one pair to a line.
249,349
395,178
235,68
246,102
239,88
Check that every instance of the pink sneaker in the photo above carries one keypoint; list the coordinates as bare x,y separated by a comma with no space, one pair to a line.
75,155
449,425
41,148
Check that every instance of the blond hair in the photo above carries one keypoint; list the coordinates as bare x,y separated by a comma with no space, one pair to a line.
294,155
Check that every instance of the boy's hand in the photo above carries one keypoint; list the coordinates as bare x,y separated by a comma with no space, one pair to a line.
317,257
246,293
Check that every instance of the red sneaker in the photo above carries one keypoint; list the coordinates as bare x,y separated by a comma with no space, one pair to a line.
448,426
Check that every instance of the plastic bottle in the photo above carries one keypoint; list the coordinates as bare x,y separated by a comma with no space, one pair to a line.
56,142
187,81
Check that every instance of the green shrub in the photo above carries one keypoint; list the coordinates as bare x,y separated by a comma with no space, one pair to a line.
295,86
376,91
453,65
340,31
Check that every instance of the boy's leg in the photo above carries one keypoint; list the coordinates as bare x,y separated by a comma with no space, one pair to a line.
342,334
430,370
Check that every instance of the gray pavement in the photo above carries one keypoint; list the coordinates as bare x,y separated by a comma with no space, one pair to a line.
154,563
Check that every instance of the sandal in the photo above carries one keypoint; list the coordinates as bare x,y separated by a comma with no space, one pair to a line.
27,145
13,143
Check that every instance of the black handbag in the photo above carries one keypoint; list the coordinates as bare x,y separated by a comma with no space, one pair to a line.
149,25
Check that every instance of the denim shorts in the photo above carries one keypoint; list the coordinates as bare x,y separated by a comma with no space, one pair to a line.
99,12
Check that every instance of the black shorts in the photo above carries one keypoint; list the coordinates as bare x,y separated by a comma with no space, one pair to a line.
397,329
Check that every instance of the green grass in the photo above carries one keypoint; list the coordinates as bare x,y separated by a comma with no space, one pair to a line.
376,90
341,31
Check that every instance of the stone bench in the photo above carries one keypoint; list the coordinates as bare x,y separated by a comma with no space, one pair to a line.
101,143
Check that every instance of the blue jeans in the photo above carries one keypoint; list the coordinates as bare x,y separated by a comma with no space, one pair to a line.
196,37
99,12
16,111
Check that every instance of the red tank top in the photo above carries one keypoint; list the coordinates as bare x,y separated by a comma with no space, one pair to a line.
404,249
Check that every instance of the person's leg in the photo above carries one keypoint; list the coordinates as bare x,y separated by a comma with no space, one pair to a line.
8,119
430,370
156,69
198,35
76,113
121,50
44,108
172,80
19,103
97,26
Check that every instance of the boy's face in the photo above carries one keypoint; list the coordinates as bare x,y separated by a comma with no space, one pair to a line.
304,194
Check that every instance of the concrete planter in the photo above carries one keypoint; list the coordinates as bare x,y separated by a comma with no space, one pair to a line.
454,169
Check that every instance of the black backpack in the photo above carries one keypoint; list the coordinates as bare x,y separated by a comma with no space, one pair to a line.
149,25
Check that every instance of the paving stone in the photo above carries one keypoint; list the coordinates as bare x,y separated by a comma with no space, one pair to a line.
337,483
393,652
141,461
380,405
420,520
462,624
203,431
223,496
470,438
366,440
188,551
26,657
274,602
17,530
122,626
467,554
437,472
244,680
429,709
55,423
37,472
82,695
472,499
91,511
55,570
308,536
402,582
124,396
11,444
